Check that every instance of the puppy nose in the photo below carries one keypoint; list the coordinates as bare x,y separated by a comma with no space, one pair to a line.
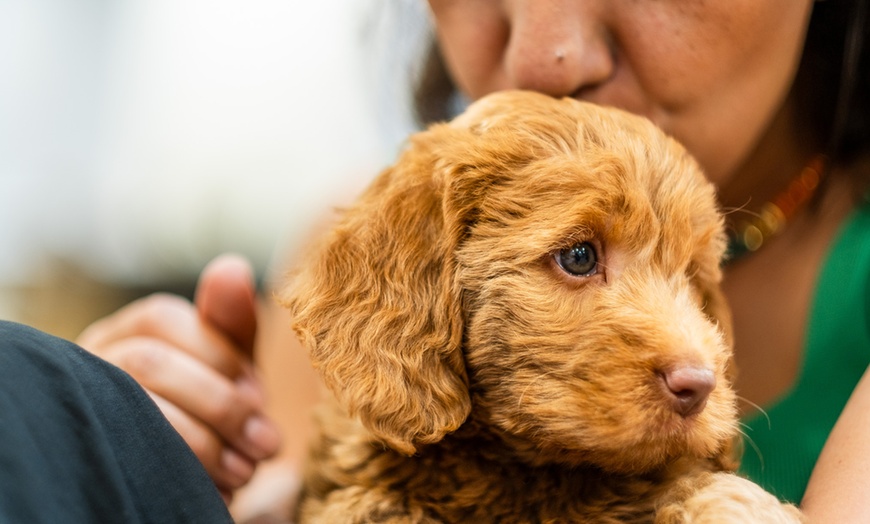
687,388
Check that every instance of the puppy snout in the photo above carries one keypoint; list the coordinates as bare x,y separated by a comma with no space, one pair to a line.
687,388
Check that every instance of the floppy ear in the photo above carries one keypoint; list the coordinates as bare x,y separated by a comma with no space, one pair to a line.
378,303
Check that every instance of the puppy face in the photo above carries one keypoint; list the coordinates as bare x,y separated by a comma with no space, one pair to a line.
548,267
589,275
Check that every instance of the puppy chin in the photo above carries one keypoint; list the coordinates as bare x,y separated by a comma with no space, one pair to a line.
667,438
645,457
641,442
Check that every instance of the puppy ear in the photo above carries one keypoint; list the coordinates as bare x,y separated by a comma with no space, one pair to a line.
378,304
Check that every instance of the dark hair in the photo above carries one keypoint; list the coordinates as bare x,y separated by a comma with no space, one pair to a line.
831,88
434,89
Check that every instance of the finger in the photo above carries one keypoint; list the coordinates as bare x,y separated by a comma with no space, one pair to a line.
273,490
231,408
225,298
173,320
227,468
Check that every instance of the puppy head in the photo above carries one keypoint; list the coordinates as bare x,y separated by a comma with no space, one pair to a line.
550,259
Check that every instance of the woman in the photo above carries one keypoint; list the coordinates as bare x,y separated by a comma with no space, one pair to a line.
761,92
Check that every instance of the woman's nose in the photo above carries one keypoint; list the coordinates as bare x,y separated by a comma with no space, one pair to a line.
557,47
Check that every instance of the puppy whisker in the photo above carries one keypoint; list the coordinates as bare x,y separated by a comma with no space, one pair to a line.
737,209
757,407
746,436
752,444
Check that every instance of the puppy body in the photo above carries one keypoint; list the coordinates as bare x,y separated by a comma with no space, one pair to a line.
521,321
471,476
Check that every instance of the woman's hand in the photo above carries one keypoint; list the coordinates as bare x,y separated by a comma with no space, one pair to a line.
196,362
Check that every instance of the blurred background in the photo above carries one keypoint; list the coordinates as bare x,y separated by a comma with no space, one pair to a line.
140,138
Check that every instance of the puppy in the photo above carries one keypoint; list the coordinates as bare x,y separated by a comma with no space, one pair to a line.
521,322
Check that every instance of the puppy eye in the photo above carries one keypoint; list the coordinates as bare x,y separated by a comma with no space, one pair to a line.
579,260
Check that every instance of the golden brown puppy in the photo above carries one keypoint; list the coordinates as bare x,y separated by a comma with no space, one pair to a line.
521,322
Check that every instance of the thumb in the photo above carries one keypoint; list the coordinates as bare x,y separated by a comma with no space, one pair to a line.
225,298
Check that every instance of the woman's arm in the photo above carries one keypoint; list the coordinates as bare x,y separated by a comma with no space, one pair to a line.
839,487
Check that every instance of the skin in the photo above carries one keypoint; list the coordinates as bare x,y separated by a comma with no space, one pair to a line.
716,75
196,362
837,490
713,74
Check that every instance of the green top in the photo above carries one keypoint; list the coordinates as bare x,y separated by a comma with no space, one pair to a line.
788,441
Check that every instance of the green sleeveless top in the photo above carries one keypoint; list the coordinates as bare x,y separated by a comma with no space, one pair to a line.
784,445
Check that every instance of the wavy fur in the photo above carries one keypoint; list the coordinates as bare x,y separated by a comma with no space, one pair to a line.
474,379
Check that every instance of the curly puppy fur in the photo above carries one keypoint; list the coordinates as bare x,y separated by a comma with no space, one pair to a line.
478,380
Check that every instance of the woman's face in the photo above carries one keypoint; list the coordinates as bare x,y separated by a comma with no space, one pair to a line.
712,73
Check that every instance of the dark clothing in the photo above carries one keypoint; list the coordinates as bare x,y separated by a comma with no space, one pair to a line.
81,441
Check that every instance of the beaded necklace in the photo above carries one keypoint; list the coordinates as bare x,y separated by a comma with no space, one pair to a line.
750,234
